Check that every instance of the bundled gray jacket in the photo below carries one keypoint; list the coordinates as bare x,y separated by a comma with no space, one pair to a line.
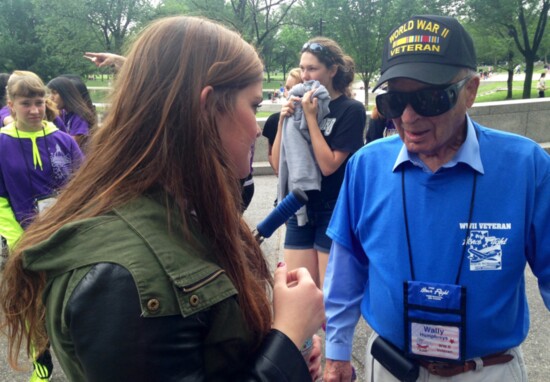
297,165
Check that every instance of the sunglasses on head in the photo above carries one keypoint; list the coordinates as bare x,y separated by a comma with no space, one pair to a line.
315,47
427,102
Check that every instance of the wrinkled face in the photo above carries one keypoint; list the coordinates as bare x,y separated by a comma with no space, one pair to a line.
428,136
29,112
56,98
313,69
238,129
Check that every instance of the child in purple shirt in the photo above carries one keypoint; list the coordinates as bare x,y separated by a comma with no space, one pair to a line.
37,158
77,115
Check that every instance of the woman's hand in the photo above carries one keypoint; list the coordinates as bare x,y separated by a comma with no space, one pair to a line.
105,59
310,104
288,108
297,304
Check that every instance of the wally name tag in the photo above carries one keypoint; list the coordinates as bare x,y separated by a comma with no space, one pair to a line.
43,204
435,341
435,316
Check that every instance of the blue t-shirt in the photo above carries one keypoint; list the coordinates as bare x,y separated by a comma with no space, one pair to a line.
510,226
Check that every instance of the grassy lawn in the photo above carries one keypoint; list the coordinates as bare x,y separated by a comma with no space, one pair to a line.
497,91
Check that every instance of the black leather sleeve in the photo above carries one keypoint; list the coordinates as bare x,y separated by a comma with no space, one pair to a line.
278,359
113,342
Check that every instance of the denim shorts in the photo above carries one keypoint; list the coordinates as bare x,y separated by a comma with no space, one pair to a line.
314,233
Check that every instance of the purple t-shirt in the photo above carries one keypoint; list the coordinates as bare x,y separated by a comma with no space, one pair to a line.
75,124
4,112
23,179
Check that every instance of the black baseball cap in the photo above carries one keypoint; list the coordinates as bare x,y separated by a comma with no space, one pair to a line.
429,49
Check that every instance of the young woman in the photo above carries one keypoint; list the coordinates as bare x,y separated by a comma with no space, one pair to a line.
333,141
37,160
79,118
151,272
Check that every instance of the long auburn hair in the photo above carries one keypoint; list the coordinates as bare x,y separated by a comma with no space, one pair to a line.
157,134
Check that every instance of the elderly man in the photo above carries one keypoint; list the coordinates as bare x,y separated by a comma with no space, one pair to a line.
433,228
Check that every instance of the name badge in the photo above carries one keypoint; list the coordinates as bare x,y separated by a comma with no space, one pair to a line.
435,321
42,205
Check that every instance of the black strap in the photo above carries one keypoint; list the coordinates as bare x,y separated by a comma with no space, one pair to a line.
471,212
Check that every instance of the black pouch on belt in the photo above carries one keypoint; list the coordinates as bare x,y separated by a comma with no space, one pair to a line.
394,361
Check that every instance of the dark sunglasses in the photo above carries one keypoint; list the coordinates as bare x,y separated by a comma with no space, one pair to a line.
428,102
315,47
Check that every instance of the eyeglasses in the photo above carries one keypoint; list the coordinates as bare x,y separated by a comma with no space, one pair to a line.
315,47
428,102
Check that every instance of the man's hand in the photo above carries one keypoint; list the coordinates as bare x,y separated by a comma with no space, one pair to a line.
314,359
337,371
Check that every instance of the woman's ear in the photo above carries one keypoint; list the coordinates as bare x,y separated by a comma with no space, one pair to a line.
10,105
205,93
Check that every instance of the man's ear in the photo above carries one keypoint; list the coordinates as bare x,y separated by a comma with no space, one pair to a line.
205,93
472,87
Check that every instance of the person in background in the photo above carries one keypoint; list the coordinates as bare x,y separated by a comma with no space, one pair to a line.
37,161
145,268
427,244
270,127
541,86
82,88
333,140
377,126
78,117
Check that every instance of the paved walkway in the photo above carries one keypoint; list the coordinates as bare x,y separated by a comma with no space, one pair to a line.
536,347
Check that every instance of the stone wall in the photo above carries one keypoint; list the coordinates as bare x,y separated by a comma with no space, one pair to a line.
530,118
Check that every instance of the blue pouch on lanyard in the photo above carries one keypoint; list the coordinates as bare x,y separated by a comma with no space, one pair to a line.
435,321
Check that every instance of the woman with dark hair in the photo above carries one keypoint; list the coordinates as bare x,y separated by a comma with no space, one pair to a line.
332,141
82,89
146,270
79,118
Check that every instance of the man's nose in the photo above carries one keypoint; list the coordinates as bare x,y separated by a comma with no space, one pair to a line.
409,114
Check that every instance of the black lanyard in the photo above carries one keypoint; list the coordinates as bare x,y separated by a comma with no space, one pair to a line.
407,224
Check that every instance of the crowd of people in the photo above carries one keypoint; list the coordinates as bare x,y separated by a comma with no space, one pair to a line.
130,258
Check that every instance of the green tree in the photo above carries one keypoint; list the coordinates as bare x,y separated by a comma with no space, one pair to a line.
20,46
523,20
258,21
287,45
109,21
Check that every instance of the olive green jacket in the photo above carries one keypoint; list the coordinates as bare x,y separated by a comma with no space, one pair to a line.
172,279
